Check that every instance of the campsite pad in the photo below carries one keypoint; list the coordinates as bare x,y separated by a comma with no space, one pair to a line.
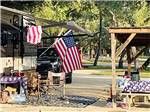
68,101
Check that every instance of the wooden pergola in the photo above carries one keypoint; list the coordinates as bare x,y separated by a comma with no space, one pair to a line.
128,37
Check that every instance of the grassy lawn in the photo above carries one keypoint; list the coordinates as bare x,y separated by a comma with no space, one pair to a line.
106,70
143,74
119,72
108,59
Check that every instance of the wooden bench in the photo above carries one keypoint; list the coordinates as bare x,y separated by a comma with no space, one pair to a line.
129,98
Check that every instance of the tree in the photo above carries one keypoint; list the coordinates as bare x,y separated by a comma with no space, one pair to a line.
22,5
99,41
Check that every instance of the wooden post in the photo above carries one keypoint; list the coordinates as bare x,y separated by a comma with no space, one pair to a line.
129,59
113,50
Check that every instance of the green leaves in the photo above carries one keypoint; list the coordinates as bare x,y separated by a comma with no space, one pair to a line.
142,15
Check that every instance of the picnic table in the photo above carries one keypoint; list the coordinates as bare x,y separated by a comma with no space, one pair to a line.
134,89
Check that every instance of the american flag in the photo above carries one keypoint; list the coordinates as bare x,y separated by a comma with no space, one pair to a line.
34,34
68,53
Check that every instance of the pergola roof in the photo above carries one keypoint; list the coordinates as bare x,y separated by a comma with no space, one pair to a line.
142,37
128,37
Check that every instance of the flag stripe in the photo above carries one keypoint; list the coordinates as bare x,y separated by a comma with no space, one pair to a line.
69,61
66,65
31,35
28,36
63,48
72,59
39,33
34,34
58,51
37,36
77,55
76,59
60,47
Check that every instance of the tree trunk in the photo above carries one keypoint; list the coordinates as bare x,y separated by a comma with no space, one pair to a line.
98,48
133,55
145,65
90,52
120,64
115,23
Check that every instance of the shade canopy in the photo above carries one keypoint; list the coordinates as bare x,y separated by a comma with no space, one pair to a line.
128,37
142,37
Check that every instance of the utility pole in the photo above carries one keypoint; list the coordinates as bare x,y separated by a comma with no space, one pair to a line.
100,35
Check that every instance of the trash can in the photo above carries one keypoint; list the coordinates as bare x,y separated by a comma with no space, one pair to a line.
135,76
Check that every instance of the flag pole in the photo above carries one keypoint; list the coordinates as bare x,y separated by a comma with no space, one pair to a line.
61,32
64,80
64,85
53,43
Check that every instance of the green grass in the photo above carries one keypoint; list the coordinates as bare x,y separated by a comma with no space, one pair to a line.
106,70
106,60
143,74
98,67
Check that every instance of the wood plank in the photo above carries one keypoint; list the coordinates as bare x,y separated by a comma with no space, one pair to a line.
123,46
136,94
134,30
113,50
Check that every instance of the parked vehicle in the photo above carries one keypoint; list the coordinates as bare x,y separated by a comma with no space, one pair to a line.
50,61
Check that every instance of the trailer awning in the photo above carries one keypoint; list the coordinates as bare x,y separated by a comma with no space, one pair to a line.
64,24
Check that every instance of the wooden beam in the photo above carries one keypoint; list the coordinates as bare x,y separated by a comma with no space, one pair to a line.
139,53
113,50
123,46
134,30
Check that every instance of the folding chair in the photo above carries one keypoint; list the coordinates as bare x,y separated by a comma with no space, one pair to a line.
54,85
57,83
